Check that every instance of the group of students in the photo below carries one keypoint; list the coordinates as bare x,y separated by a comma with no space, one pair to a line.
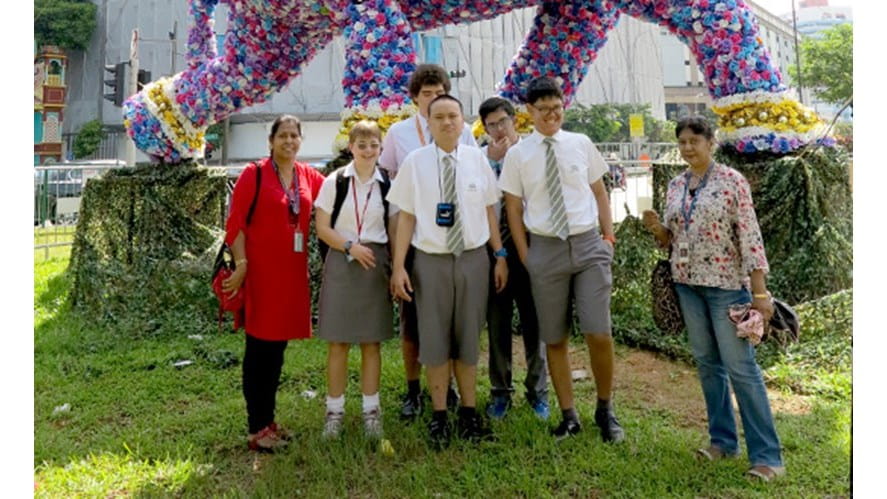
419,216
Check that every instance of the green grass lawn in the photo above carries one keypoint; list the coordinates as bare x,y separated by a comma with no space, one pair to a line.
137,426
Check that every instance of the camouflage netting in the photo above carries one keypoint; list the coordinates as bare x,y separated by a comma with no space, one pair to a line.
144,247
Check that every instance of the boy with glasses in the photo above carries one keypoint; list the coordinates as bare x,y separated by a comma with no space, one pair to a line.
497,116
553,190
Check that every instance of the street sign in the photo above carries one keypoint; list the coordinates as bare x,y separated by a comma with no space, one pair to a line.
636,125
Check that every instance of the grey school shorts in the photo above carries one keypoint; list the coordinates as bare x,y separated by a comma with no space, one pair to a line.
579,268
451,304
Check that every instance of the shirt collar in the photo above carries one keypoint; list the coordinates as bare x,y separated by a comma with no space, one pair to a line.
538,137
441,153
351,172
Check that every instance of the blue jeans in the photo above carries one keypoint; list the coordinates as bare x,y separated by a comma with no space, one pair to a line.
719,353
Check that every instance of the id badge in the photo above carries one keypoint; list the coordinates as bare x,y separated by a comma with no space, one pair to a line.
446,214
683,252
297,242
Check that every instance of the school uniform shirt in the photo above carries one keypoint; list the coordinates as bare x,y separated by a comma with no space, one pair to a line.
370,209
580,165
419,188
403,138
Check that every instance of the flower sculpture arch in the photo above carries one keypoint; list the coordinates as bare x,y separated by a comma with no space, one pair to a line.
268,42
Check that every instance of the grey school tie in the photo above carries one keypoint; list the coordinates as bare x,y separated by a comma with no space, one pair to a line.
558,215
455,242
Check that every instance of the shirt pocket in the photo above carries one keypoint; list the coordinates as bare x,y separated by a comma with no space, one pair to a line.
575,175
474,192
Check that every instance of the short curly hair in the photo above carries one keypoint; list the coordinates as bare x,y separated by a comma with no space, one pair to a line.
696,124
428,74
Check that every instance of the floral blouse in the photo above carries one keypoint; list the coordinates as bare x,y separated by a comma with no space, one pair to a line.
722,236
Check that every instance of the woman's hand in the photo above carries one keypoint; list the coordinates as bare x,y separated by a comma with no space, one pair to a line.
651,221
401,287
764,306
363,255
500,274
234,281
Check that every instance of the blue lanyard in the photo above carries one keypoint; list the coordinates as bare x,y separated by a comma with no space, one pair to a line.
688,213
292,195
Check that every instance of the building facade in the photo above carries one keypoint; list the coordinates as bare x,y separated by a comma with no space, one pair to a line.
686,92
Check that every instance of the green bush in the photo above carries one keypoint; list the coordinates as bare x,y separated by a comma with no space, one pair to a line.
87,141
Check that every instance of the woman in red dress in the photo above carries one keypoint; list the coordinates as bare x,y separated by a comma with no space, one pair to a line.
271,257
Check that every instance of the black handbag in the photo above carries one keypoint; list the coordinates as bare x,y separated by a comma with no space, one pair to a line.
666,309
785,326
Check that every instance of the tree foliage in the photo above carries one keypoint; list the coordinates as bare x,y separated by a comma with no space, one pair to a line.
609,122
88,139
827,64
68,24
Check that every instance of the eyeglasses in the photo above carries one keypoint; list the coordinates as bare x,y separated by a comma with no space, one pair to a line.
545,111
499,124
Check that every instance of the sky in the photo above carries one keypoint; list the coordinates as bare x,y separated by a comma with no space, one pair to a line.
780,7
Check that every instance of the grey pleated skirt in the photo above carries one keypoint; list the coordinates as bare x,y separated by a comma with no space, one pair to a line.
355,306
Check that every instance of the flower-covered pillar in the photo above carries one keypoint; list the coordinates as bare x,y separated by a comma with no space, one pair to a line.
562,44
267,43
379,60
755,111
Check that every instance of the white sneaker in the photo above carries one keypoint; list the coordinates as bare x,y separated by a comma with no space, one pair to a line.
333,425
372,423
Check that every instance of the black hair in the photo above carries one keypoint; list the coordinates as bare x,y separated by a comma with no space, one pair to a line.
542,87
492,105
697,125
445,97
281,119
427,74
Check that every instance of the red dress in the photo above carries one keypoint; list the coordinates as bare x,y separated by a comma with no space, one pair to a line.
278,299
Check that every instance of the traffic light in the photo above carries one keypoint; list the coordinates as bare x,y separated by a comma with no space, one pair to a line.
144,78
116,82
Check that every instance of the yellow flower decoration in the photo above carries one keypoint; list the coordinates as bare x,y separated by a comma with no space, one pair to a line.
784,116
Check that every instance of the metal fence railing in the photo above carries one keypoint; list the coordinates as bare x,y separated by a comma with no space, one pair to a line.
58,190
57,193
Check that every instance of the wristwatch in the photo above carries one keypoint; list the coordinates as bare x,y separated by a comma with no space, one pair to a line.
347,248
501,253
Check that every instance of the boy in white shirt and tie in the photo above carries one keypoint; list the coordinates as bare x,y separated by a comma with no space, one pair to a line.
557,175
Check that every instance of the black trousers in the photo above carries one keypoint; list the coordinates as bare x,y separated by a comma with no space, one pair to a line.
262,362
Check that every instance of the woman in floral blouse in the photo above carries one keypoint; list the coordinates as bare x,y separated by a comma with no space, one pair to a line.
717,260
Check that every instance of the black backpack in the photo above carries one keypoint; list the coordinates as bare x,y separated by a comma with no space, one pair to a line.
341,192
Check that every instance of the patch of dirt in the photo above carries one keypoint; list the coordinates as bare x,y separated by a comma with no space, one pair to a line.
646,379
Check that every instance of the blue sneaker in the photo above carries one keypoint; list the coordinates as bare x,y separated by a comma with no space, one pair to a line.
498,407
540,408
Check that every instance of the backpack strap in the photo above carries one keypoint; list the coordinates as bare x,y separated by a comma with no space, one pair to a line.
384,186
341,193
252,206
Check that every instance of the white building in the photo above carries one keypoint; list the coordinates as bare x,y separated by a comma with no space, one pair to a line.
626,70
685,89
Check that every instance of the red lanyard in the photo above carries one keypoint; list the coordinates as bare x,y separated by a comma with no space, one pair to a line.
362,217
419,131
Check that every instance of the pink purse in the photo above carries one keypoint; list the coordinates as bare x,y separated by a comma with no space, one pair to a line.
749,322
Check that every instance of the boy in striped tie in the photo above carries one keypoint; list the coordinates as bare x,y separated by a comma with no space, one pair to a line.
553,190
446,193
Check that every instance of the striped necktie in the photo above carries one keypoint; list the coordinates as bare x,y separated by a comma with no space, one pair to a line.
455,242
558,214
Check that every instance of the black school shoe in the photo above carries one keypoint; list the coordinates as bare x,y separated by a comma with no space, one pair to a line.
439,433
472,428
412,406
567,429
611,431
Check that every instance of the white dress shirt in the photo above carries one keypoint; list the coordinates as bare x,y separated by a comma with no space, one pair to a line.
580,165
418,189
403,138
373,227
